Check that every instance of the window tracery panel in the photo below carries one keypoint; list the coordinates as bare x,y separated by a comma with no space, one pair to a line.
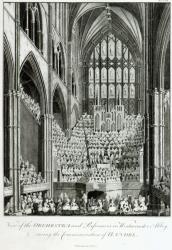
125,91
104,91
112,67
104,75
111,91
111,74
91,91
118,75
97,74
132,91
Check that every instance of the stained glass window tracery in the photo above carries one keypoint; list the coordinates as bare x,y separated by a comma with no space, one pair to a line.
112,67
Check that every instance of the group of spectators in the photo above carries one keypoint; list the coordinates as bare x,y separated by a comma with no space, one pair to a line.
31,104
29,175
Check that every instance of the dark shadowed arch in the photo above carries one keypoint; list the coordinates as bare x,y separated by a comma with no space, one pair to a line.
38,80
162,42
10,63
59,103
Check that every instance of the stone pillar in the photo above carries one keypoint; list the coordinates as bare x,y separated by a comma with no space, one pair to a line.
81,86
161,131
16,149
14,118
141,165
13,127
44,126
49,116
69,85
146,99
156,135
50,155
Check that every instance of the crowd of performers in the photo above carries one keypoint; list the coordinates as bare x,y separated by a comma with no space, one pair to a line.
78,157
36,204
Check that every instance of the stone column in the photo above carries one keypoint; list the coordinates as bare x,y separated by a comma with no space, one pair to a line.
81,86
14,118
69,85
146,96
50,155
16,149
49,116
44,127
13,127
161,131
141,165
156,135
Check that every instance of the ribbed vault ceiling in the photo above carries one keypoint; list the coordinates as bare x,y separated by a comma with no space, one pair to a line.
91,18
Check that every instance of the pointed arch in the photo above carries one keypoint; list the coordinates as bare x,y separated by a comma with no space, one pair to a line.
162,41
57,92
10,62
38,80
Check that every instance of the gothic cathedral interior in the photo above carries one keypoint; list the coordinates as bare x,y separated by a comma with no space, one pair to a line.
86,92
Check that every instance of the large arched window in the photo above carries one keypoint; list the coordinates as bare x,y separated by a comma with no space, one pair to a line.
111,66
31,22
